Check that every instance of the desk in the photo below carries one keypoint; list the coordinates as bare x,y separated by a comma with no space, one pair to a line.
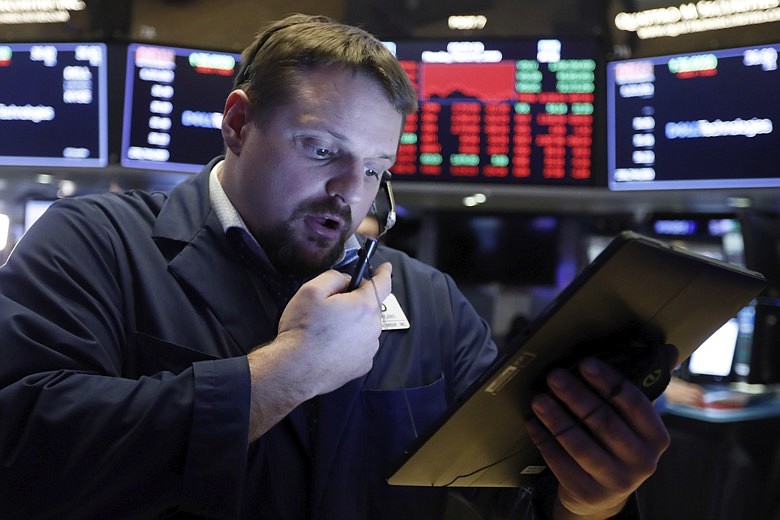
722,464
762,410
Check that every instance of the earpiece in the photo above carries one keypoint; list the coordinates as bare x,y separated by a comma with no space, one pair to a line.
388,189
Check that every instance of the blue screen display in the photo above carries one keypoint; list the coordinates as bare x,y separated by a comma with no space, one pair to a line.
173,106
53,104
701,120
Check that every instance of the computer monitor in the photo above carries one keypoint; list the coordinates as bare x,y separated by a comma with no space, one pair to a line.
762,253
699,120
501,111
715,356
53,104
173,105
764,358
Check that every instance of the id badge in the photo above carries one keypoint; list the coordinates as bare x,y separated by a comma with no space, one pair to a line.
393,317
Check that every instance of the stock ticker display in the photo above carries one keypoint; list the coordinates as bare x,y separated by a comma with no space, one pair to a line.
173,106
53,104
519,112
699,120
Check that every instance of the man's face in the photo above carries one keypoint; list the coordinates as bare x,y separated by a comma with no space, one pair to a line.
304,178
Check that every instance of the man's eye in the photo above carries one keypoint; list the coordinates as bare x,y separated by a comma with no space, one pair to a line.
322,153
371,173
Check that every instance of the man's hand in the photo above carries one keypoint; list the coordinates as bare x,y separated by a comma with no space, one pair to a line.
326,338
600,436
683,392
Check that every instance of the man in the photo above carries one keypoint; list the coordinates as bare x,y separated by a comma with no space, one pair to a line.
195,355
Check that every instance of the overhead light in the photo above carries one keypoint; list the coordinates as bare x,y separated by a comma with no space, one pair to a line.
703,16
469,22
739,202
16,12
66,188
474,200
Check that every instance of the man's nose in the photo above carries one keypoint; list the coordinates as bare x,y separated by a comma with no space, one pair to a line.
347,181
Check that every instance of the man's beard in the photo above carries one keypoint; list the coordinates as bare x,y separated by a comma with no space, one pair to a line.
282,243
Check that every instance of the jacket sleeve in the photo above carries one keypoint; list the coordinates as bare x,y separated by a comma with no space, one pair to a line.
79,439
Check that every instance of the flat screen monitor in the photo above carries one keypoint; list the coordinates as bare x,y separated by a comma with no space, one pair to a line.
173,106
53,104
715,357
701,120
764,359
762,254
504,111
737,352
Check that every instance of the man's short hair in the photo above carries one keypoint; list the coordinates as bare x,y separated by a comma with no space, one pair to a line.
272,63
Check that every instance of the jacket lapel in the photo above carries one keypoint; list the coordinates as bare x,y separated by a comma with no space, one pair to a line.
188,231
202,259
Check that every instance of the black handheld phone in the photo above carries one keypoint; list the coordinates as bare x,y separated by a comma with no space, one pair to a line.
364,255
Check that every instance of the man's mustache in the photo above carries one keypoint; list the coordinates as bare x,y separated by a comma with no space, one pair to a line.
327,206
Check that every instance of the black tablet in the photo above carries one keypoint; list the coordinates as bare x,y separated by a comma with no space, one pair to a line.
637,285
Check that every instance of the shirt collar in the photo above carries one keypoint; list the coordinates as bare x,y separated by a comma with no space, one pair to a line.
229,218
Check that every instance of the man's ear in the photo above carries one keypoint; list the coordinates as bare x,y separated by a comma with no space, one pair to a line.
237,114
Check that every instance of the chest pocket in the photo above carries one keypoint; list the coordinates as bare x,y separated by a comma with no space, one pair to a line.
395,419
398,417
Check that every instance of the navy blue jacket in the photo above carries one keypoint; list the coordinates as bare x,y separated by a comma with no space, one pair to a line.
125,320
